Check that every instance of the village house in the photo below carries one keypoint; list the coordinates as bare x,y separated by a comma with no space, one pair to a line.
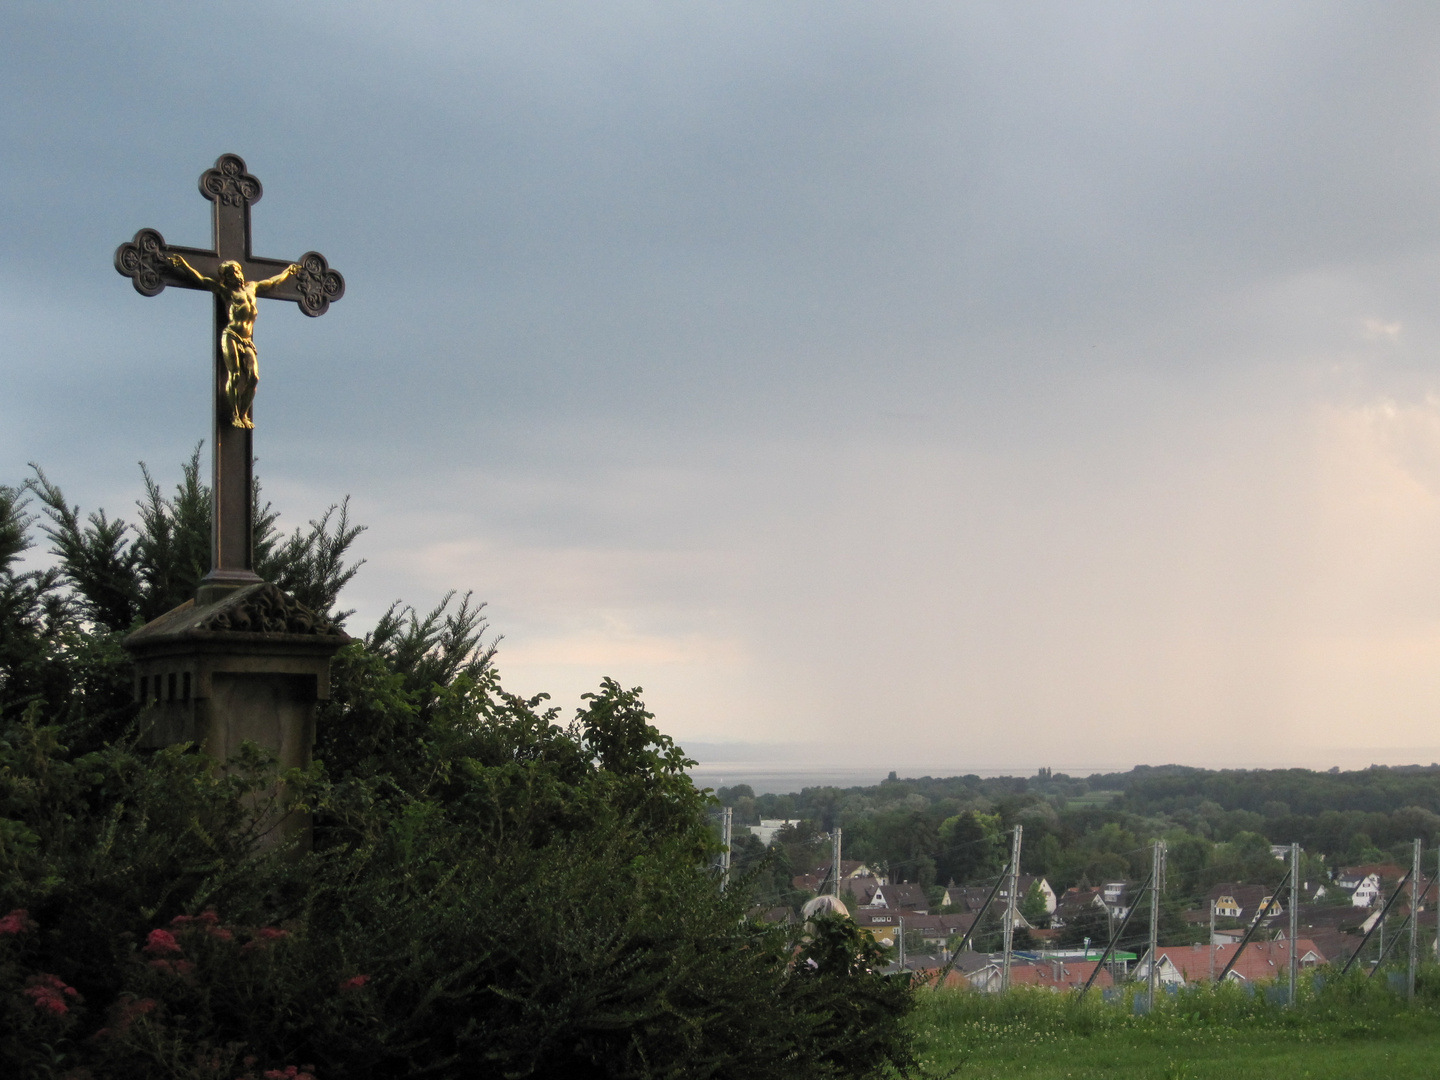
1366,884
1023,884
1260,961
972,897
937,931
881,924
1116,896
1073,904
1335,929
966,897
905,896
1051,974
850,870
1233,900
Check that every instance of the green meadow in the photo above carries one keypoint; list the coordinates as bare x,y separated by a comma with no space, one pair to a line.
1347,1028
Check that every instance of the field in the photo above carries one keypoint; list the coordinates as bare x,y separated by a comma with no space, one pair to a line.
1347,1029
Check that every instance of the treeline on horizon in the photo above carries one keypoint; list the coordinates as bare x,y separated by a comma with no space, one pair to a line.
1218,826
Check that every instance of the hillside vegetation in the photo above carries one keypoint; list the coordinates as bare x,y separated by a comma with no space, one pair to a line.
1218,825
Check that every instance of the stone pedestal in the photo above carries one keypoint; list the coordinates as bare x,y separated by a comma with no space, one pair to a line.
252,665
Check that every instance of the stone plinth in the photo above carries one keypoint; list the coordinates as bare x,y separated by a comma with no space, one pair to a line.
252,665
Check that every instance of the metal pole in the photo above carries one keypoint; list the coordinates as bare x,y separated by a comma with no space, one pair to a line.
900,940
1010,907
835,861
1415,898
1212,941
1294,920
974,925
725,852
1384,911
1157,864
1118,935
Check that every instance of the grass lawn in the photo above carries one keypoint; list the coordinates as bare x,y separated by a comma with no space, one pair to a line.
1349,1030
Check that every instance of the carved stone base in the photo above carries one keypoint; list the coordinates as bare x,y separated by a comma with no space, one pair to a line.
252,666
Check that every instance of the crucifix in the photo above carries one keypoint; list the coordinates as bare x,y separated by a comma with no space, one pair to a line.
236,278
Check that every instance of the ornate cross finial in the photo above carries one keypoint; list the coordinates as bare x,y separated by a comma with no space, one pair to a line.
229,183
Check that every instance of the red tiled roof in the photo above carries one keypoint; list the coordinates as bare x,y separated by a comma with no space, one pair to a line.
1070,975
1260,960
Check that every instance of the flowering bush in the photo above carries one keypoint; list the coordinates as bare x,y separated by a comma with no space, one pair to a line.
490,891
49,993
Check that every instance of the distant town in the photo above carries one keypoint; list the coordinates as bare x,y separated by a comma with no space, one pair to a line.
1255,867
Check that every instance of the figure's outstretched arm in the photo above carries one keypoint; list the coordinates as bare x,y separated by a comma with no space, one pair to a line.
279,279
179,263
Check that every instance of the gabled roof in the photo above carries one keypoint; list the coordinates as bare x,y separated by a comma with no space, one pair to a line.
861,888
1058,975
1260,960
899,896
971,897
1077,898
1249,898
851,870
1356,874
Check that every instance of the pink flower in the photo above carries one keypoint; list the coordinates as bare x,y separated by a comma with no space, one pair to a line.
160,942
17,922
49,993
290,1072
264,936
355,982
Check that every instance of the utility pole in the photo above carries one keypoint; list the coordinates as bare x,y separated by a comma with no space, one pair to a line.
1010,906
1294,920
900,939
1415,898
835,860
725,853
1212,941
1157,871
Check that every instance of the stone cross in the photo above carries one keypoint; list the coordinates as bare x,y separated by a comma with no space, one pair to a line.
152,264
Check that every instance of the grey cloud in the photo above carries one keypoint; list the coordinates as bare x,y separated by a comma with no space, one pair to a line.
811,309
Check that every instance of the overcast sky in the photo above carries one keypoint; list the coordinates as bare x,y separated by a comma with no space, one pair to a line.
922,386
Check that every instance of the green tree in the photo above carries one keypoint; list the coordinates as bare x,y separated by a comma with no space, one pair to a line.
972,847
1034,908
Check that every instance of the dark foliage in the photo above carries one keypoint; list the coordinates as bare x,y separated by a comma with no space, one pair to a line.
491,891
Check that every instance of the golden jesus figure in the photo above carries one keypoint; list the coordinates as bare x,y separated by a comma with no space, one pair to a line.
237,340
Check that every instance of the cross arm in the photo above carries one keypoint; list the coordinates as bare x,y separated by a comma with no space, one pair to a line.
146,261
314,286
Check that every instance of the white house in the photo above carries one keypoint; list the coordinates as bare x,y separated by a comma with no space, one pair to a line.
1367,892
